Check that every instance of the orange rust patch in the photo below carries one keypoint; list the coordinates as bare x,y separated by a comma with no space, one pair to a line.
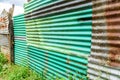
113,31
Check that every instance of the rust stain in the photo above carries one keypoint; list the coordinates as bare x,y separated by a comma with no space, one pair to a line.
108,17
98,20
3,24
113,31
114,57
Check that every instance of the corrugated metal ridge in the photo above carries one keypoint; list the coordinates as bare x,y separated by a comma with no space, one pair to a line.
46,7
35,2
43,5
61,10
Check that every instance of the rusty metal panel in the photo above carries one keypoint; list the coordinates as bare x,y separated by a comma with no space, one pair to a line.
4,22
4,40
104,62
113,31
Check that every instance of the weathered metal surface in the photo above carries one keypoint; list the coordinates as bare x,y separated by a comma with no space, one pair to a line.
113,31
104,62
4,22
59,34
59,37
5,18
4,40
6,31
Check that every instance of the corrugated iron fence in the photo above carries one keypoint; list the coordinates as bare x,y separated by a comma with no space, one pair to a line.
62,35
59,37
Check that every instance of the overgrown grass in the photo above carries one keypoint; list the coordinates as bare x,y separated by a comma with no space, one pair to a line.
3,60
15,72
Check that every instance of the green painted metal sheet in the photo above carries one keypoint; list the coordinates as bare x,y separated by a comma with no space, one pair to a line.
20,52
54,62
19,25
20,44
59,37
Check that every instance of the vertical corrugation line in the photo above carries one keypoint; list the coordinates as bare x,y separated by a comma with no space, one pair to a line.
59,37
20,47
104,62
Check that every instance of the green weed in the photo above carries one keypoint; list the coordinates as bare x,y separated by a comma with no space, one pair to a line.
3,60
14,72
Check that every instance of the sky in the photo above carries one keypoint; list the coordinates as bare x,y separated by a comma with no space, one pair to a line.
6,4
